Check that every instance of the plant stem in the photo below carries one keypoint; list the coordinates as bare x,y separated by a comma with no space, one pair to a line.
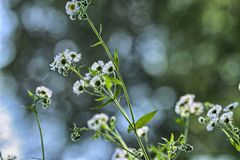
41,134
186,130
107,50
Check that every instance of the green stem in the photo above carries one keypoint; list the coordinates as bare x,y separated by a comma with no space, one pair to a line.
107,50
186,130
41,134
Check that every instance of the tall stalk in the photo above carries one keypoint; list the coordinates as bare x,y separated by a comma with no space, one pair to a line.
41,133
107,50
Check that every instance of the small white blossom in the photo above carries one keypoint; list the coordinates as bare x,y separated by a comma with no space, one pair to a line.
97,121
201,120
72,7
73,56
231,106
88,77
121,154
43,92
226,118
78,87
96,81
183,105
214,111
11,157
97,66
212,124
108,68
197,108
141,132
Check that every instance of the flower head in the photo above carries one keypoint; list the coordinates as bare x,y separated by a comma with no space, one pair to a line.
197,108
183,105
97,66
231,106
98,121
212,124
142,132
214,111
43,92
78,87
75,8
108,68
121,154
96,82
226,118
43,95
64,60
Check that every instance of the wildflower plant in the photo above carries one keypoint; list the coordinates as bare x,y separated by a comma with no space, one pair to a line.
41,98
103,81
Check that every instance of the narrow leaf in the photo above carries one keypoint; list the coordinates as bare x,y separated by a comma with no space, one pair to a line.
116,60
118,91
145,119
30,94
101,99
115,81
96,44
108,82
100,28
104,104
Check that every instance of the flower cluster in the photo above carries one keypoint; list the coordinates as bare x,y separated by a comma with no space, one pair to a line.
64,60
9,157
186,106
217,115
43,96
98,121
95,78
142,132
121,154
77,9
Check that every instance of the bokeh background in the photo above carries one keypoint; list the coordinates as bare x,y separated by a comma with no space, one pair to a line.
167,48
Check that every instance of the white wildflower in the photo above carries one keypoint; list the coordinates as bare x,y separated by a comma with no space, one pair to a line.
72,7
43,92
226,118
197,108
73,56
212,124
142,132
97,121
97,66
201,120
214,111
11,157
78,87
88,77
121,154
231,106
96,81
108,68
183,105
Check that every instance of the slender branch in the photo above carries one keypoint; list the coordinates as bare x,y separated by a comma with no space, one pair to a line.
186,130
41,134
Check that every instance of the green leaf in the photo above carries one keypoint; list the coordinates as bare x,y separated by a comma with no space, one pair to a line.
101,98
180,121
100,28
96,44
108,82
234,144
115,81
31,107
116,60
31,94
172,137
94,73
118,91
104,104
143,120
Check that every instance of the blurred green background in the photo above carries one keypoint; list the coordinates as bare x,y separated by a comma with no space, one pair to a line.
167,48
